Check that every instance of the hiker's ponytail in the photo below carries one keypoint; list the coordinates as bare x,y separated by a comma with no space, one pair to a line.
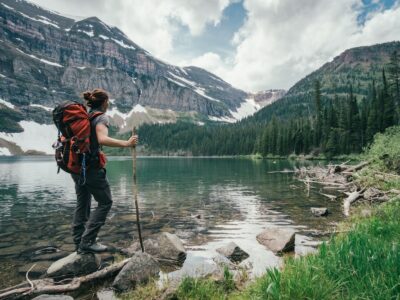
95,98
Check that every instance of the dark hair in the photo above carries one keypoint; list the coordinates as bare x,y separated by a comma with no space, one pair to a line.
95,98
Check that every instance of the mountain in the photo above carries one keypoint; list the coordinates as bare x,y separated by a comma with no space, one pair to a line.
46,58
356,67
341,120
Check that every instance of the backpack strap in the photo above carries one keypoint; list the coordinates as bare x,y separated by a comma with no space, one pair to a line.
95,114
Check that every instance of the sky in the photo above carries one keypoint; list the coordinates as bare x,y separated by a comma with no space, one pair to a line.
253,44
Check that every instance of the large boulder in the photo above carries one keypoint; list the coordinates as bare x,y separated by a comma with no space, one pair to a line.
319,211
74,265
140,268
233,252
167,248
277,239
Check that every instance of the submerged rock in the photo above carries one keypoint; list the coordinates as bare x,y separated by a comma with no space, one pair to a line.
277,239
140,268
233,252
74,265
166,248
53,297
223,262
319,211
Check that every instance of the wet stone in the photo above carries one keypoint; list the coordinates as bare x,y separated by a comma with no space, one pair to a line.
277,239
74,264
319,211
140,268
233,252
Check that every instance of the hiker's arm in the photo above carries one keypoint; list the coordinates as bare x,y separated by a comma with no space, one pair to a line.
105,140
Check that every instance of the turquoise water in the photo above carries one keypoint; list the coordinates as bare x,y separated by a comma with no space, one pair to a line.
234,199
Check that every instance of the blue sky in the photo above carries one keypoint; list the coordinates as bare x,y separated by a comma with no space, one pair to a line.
215,38
252,44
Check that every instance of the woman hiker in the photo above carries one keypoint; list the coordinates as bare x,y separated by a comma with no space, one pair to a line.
86,225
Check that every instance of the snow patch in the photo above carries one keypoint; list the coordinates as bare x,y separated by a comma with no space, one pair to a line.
201,92
122,44
176,82
6,6
246,108
222,119
136,109
18,39
2,76
6,103
188,82
89,33
104,37
39,20
35,136
42,107
81,68
41,59
4,152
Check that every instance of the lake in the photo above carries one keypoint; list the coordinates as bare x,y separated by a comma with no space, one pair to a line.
207,202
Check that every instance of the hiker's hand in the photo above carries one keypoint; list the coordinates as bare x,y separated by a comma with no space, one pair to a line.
133,140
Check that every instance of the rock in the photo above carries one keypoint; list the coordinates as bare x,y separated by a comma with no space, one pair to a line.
166,248
74,265
106,295
223,262
277,239
53,297
50,256
305,245
38,270
6,244
319,211
233,252
140,268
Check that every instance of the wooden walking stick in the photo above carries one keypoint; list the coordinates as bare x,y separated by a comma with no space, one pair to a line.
134,188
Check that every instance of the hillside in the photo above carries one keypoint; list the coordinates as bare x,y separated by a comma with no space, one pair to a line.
356,67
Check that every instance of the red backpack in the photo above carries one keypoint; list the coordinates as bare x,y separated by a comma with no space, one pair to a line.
72,149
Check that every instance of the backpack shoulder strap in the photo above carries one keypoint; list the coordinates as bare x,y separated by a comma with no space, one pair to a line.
95,114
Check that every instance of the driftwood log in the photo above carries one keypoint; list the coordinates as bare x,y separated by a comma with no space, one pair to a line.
336,178
47,285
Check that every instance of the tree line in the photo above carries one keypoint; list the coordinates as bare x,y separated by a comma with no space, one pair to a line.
342,124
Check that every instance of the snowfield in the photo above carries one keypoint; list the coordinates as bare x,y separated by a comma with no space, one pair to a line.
247,108
35,136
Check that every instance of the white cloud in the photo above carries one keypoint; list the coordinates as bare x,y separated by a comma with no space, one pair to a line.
282,40
151,24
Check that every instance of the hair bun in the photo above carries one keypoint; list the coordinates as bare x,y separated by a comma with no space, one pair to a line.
88,96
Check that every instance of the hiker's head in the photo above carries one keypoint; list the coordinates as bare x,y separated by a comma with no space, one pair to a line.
97,98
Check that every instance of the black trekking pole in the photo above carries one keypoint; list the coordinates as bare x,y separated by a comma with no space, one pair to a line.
134,187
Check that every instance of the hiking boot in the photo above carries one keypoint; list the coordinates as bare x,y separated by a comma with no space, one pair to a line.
90,248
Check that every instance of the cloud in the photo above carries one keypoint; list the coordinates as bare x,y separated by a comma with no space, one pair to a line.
284,40
151,24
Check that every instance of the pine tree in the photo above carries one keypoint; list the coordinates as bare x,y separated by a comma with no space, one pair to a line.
394,81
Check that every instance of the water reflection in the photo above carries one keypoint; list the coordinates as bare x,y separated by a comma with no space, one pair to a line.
206,201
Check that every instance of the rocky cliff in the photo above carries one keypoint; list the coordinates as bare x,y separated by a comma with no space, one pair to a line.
46,58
